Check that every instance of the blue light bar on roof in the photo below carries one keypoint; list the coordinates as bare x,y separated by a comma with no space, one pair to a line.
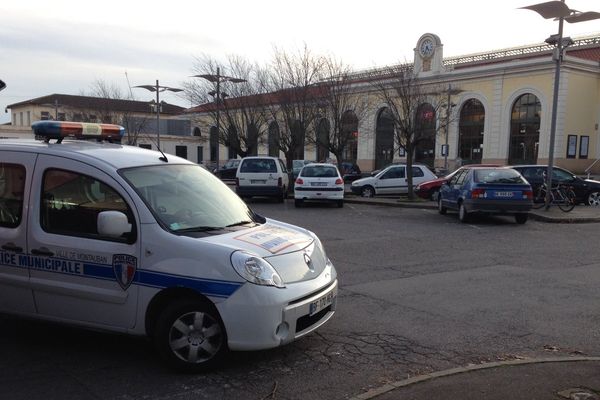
78,130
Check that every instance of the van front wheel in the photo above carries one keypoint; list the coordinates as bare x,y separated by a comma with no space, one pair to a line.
190,336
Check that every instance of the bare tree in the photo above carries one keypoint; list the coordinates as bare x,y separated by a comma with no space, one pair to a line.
101,107
241,106
414,106
295,98
343,107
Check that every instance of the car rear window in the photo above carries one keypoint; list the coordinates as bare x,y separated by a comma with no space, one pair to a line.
259,165
497,176
319,172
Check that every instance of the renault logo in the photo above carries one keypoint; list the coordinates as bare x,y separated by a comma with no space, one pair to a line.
308,262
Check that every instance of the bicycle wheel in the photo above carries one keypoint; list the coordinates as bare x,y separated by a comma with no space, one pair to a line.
567,202
539,199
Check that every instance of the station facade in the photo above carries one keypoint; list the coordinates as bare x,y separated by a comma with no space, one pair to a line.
499,111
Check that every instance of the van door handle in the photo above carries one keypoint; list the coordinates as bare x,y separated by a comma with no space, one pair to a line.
12,247
42,251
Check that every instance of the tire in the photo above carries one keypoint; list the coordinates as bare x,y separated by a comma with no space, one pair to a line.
340,203
367,191
441,209
593,199
539,200
281,197
298,203
569,203
521,218
190,336
463,215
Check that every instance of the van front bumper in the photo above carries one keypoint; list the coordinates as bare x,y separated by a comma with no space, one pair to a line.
262,317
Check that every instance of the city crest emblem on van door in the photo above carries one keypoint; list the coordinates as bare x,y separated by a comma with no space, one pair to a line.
124,267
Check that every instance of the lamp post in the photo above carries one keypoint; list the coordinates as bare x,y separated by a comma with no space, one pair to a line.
218,79
560,11
449,106
157,88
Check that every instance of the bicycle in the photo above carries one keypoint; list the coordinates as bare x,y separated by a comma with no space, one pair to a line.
561,195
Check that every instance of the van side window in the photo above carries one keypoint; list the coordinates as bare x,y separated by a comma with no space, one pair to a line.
71,203
12,184
283,168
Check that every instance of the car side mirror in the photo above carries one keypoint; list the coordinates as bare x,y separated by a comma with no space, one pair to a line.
113,224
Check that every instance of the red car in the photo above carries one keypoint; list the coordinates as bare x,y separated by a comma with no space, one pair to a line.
430,189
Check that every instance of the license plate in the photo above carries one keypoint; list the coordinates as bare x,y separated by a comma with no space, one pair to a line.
322,303
318,183
505,194
258,181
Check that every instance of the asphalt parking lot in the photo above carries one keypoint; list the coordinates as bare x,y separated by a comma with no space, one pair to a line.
419,293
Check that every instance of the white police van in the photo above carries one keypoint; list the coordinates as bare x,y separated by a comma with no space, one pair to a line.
125,239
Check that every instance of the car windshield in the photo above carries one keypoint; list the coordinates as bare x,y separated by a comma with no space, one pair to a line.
187,198
497,176
319,171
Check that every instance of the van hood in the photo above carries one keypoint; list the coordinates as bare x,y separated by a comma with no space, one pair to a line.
294,252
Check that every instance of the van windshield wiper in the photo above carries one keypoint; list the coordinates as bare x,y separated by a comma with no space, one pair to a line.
240,223
200,229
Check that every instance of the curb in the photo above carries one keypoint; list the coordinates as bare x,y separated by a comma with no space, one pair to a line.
459,370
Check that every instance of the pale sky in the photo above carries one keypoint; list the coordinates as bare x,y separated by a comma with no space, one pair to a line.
63,46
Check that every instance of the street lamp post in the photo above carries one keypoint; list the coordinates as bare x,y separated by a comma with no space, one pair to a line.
218,78
449,106
560,11
157,88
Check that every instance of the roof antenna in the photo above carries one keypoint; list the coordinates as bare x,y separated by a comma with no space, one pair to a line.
164,157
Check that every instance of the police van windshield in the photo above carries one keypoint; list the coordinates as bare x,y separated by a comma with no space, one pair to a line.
187,198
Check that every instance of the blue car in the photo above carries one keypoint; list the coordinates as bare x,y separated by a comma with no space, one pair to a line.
487,190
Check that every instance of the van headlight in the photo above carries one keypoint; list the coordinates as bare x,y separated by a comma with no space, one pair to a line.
255,269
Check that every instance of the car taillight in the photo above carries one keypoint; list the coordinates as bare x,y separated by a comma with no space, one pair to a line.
478,193
279,182
528,194
299,181
339,181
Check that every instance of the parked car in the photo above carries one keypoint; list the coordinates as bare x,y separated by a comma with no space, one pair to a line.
319,182
262,176
350,172
297,166
487,190
107,236
430,189
228,170
391,180
586,190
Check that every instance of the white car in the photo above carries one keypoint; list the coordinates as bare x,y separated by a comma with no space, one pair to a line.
262,176
320,182
124,239
391,180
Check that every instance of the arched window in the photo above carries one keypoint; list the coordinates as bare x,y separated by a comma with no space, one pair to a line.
252,140
470,132
525,130
274,139
322,140
197,132
384,138
298,138
350,134
425,134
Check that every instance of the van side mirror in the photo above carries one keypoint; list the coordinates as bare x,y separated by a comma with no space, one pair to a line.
113,224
